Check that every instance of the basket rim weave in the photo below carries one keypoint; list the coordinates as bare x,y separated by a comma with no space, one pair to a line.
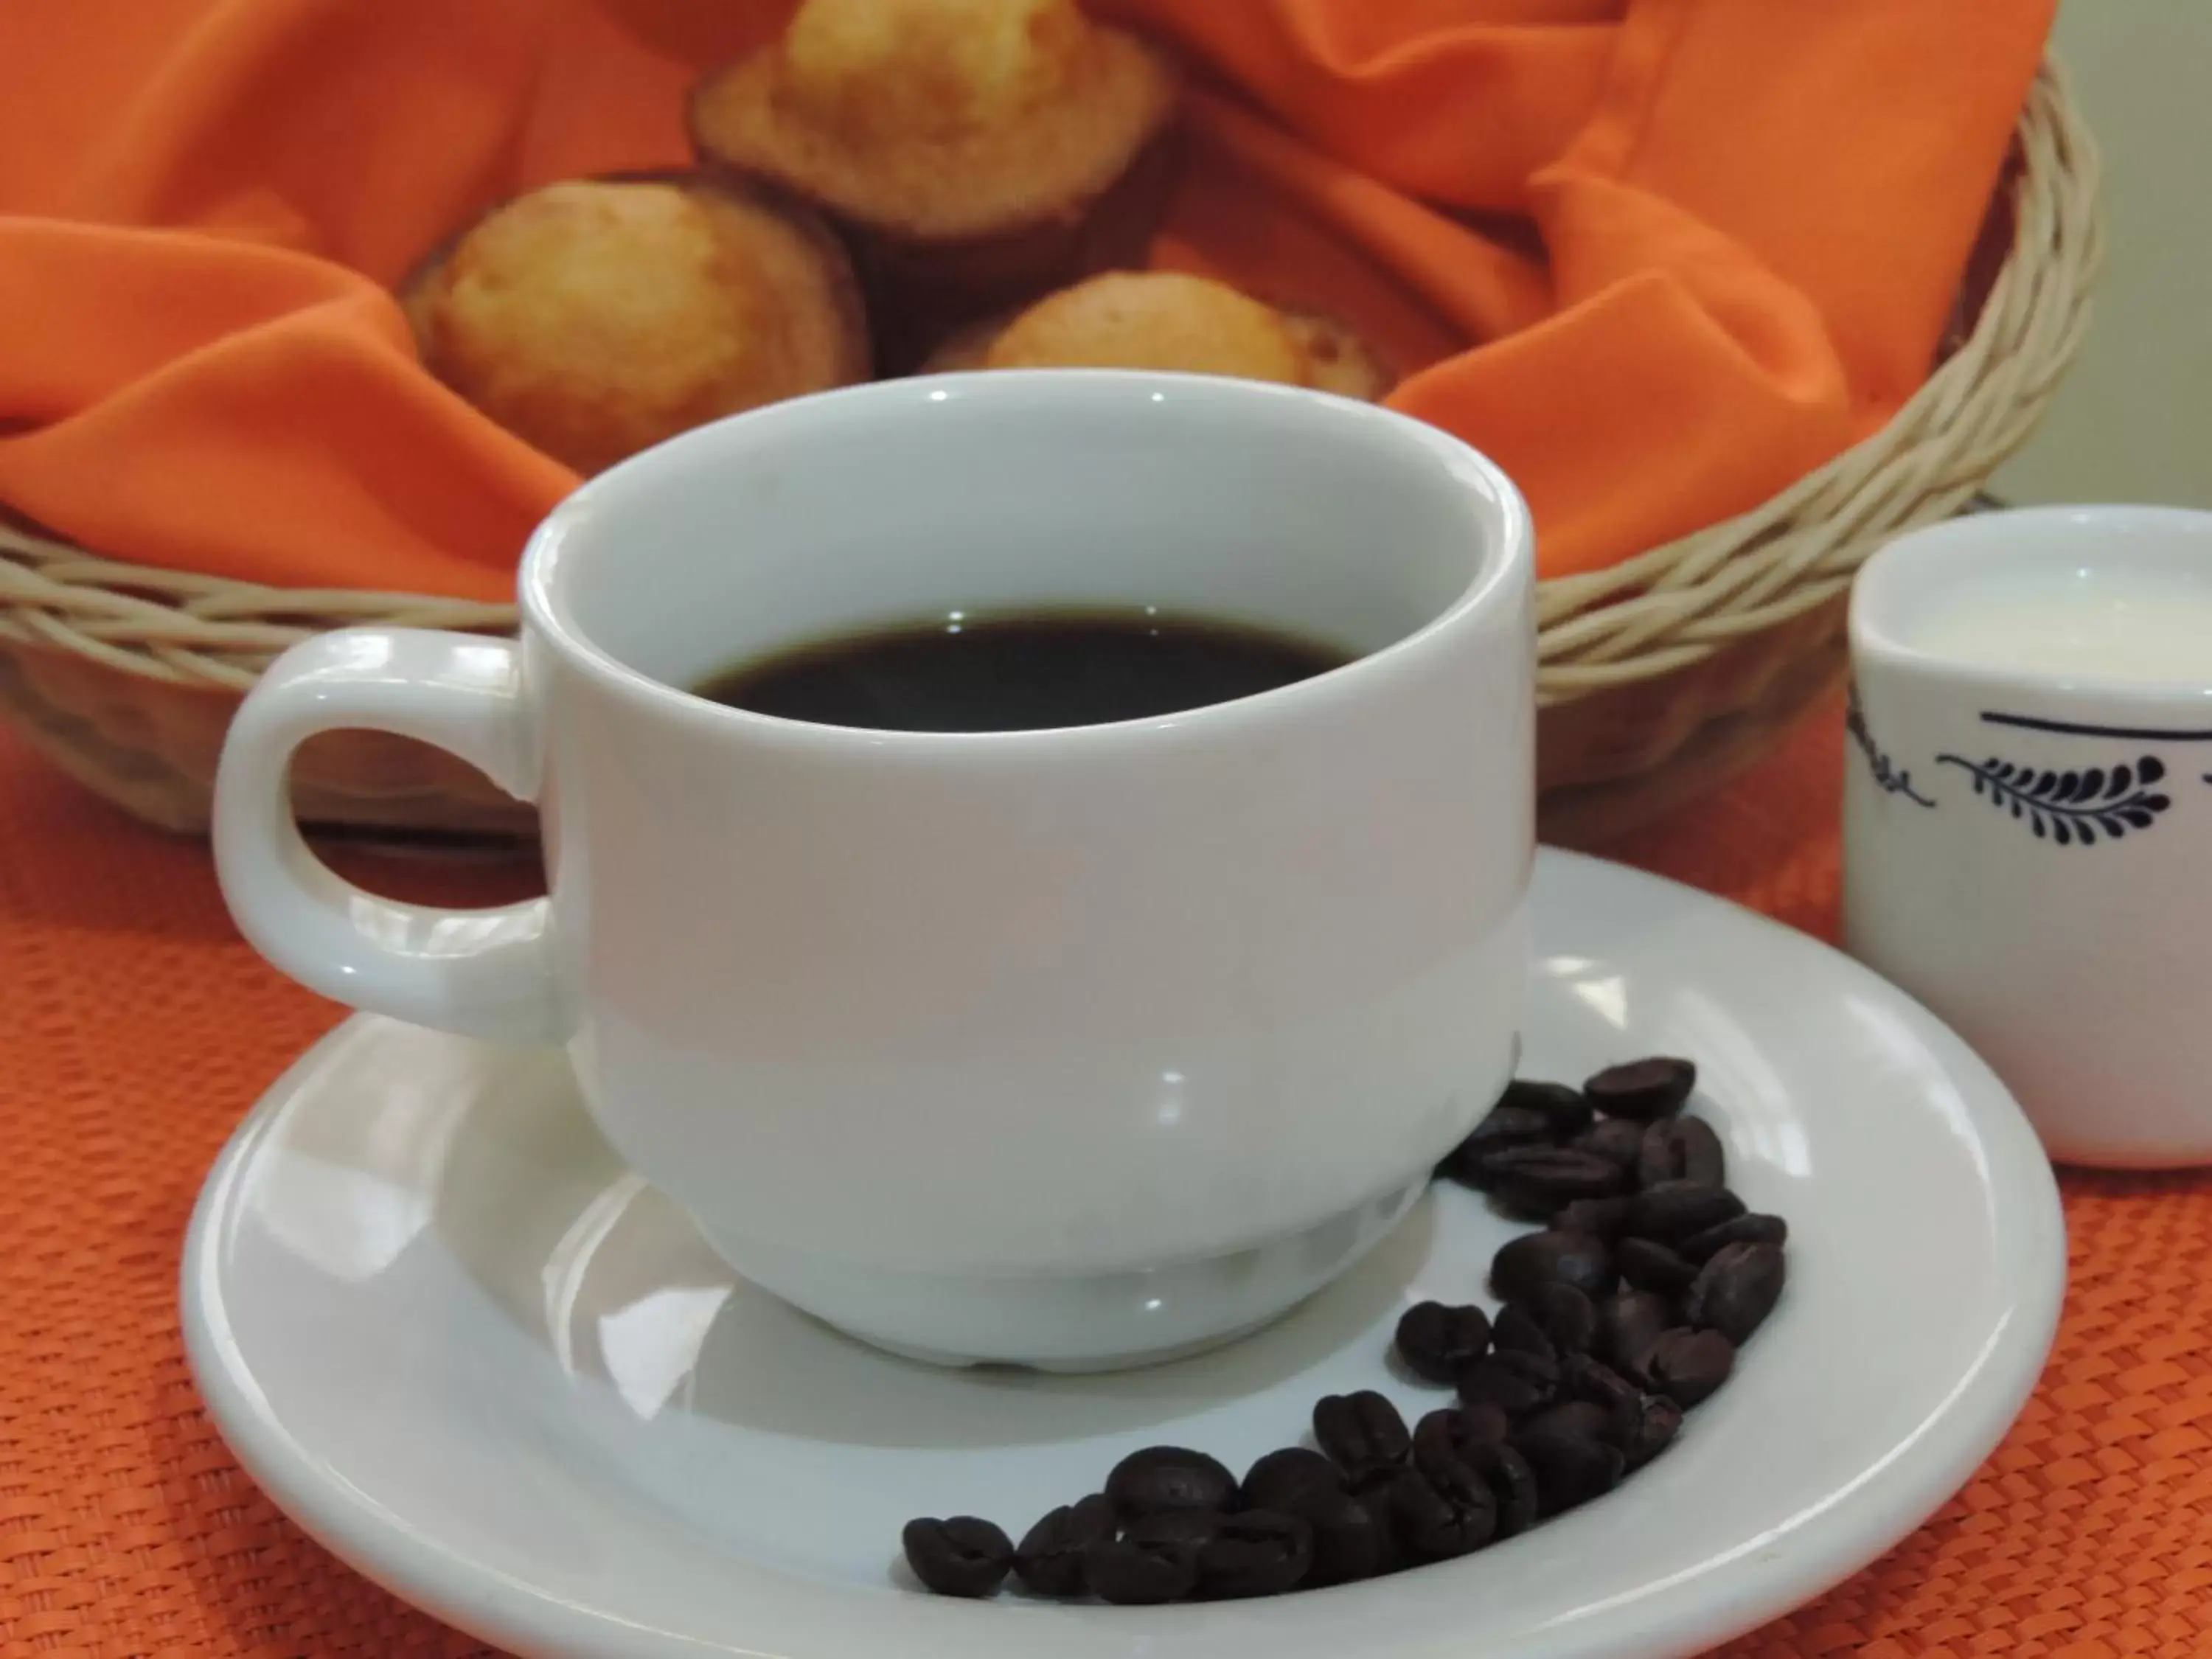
1648,616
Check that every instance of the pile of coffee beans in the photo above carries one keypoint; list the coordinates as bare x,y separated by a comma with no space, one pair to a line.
1624,1310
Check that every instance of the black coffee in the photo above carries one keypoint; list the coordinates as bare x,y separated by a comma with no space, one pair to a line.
1021,672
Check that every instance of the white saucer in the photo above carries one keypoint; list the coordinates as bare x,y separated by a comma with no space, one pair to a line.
480,1361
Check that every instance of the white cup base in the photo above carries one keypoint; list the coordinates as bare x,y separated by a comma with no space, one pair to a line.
1075,1322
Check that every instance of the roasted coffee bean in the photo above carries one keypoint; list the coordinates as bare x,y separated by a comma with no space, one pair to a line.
1164,1527
1557,1320
1481,1420
1582,1376
1571,1467
1627,1326
1588,1380
1512,1482
1700,1247
1374,1493
1130,1575
1256,1553
1618,1140
1602,1217
1736,1290
1657,1421
1523,1264
1515,1383
1674,1210
1457,1478
1533,1181
1372,1484
1435,1341
1509,1123
1437,1526
1566,1314
1571,1416
1449,1446
1049,1559
963,1556
1687,1366
1566,1108
1449,1431
1161,1478
1155,1561
1650,1267
1448,1436
1350,1534
1642,1090
1470,1475
1361,1433
1681,1149
1518,1331
1279,1476
1506,1127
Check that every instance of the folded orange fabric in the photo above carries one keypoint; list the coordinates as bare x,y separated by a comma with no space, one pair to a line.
1749,221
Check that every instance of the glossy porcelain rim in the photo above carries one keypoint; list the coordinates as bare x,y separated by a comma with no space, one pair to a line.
540,584
1906,568
1849,1528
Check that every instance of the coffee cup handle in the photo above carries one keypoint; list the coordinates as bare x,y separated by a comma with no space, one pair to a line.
478,973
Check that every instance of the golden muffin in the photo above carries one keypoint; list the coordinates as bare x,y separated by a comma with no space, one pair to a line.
1152,319
1168,320
978,152
965,349
1338,359
596,319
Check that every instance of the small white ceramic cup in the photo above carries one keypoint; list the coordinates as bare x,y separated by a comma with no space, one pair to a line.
2028,813
1074,1048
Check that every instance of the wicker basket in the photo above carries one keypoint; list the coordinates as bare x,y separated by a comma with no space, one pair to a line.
1658,678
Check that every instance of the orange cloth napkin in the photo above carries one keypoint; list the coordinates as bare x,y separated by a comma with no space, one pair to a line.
1749,218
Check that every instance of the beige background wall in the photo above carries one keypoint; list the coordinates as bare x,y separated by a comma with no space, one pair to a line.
2134,422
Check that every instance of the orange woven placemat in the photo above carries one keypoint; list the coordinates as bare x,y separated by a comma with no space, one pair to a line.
135,1028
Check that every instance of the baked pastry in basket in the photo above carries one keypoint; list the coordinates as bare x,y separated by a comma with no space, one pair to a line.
597,318
1170,320
977,152
1339,359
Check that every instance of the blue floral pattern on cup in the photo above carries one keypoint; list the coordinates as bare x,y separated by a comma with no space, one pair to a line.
2071,808
2080,806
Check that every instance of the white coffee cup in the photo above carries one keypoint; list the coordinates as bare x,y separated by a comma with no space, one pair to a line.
1074,1048
2028,813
